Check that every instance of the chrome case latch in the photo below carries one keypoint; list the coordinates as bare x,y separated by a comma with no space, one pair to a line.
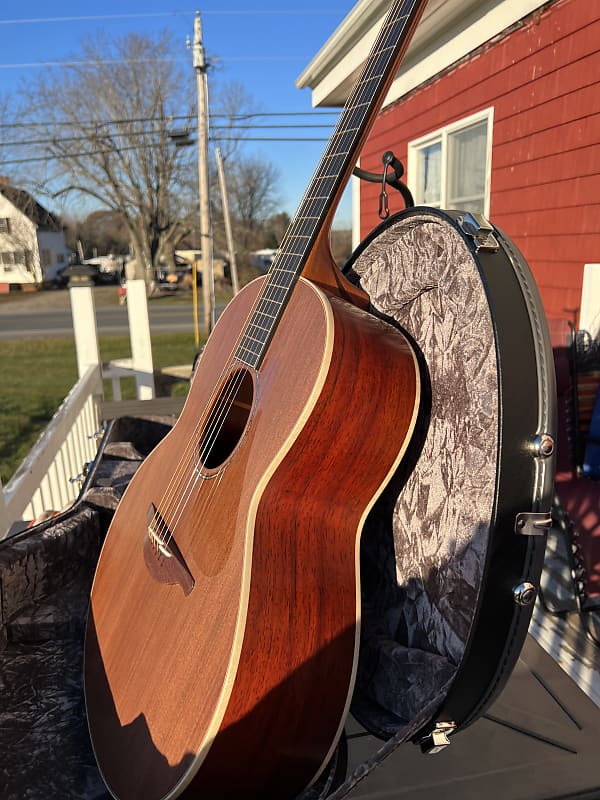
480,230
532,523
438,739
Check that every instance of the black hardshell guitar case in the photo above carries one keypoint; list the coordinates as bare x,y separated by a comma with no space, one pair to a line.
448,551
451,554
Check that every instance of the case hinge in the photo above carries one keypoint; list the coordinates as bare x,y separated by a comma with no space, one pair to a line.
438,739
480,230
532,524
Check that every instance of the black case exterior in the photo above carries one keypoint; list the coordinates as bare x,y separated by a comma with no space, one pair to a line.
524,478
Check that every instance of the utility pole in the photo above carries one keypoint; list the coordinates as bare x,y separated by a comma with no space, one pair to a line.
206,242
235,284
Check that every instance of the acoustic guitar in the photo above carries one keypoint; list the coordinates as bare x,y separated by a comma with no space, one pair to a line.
221,644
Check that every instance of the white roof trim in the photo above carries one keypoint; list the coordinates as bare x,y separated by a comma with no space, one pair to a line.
449,30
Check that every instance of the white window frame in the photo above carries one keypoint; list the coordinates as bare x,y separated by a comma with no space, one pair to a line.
441,135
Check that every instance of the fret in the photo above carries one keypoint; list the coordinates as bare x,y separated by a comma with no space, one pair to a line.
264,317
344,132
282,269
260,327
290,253
250,344
377,73
249,362
319,197
375,55
346,136
273,297
283,254
285,281
283,259
283,274
327,177
273,313
247,349
305,223
324,178
272,284
249,338
358,105
340,153
332,156
264,314
314,203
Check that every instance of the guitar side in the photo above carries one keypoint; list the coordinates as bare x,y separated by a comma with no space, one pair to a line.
252,662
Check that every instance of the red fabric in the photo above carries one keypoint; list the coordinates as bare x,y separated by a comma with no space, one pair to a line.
580,498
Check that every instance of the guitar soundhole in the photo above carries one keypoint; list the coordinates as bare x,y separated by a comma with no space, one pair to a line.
226,420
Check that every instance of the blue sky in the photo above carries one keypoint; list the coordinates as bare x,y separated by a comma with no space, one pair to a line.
265,46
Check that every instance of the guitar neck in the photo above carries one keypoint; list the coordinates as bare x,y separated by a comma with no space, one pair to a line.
330,177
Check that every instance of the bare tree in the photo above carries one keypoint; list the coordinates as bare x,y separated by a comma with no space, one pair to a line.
110,112
103,231
233,111
6,135
252,183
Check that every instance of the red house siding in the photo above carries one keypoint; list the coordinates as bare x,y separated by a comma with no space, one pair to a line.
543,80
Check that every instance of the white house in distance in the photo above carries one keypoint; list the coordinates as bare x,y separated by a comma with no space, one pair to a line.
32,242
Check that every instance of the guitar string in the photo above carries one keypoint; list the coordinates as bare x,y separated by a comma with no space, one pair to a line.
263,297
236,383
218,418
174,484
268,295
210,407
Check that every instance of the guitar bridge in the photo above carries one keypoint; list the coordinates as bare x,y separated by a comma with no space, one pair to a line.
163,557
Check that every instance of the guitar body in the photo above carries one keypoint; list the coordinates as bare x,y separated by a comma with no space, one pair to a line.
222,637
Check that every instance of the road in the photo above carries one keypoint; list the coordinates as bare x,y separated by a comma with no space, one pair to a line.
36,324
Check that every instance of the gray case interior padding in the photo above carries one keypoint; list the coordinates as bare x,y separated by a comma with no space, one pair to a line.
421,578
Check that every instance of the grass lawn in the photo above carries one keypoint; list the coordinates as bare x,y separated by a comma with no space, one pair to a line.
36,375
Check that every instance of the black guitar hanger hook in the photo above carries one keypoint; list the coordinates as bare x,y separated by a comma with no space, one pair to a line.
389,160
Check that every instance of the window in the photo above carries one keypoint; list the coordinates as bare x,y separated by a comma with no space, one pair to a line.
8,258
451,167
4,225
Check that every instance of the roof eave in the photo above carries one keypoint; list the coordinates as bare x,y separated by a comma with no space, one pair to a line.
449,30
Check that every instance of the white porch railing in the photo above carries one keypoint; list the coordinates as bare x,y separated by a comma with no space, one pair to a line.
50,476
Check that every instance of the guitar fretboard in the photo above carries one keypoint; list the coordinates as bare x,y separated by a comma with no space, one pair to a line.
334,168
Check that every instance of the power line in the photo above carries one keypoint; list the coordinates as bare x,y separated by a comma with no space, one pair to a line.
171,118
155,131
162,60
88,63
221,11
137,147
